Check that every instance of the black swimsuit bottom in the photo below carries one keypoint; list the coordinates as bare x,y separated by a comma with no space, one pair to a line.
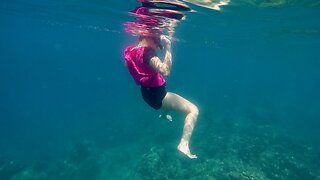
154,95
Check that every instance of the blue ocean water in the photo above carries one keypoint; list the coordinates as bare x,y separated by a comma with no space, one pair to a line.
70,110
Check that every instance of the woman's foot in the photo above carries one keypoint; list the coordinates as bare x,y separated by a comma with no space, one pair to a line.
184,148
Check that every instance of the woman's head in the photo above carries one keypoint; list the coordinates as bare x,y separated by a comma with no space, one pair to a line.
152,41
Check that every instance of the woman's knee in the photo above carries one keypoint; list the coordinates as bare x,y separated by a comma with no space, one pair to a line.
194,110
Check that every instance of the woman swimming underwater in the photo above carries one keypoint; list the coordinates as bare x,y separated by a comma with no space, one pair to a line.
148,71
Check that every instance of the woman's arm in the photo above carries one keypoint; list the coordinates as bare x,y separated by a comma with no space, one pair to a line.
164,67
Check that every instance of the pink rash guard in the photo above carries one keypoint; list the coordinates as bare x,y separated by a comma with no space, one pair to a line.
137,60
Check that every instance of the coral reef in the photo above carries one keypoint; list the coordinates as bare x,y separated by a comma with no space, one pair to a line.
234,153
227,150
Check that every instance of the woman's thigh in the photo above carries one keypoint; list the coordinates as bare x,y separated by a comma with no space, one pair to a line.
175,102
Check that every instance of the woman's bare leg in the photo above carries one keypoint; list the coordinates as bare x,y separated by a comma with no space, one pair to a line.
175,102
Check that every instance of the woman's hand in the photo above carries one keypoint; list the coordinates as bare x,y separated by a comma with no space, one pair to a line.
165,39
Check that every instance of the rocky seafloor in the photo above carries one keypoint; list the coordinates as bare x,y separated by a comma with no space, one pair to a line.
226,150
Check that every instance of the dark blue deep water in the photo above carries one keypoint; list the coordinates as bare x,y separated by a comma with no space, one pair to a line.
70,110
